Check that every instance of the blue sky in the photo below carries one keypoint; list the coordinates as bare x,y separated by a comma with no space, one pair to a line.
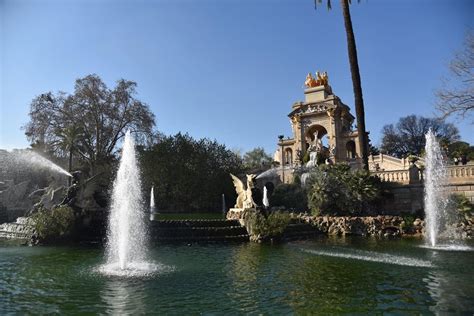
227,69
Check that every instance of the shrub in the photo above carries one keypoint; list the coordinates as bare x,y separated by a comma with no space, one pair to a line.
263,227
305,157
55,223
336,190
290,196
407,223
461,204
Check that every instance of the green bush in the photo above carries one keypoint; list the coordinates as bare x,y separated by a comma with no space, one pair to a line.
407,223
336,190
460,203
305,157
267,227
54,224
190,174
290,196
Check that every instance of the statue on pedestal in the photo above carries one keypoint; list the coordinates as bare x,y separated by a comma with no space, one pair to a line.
314,149
321,79
310,81
244,195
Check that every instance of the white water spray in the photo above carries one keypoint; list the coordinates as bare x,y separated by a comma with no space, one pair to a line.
152,200
30,159
434,177
265,201
127,237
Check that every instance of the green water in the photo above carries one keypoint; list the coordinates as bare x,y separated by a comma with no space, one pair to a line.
324,276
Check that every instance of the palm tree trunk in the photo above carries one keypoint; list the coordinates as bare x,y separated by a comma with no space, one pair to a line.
358,99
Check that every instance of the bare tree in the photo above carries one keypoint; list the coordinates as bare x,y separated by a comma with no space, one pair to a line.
456,97
408,135
91,122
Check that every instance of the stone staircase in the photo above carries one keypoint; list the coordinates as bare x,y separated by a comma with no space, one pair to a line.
216,230
22,229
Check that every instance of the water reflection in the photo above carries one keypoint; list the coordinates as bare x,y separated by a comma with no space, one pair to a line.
124,297
330,285
448,288
241,279
247,261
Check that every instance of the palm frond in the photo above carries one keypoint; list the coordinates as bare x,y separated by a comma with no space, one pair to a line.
328,4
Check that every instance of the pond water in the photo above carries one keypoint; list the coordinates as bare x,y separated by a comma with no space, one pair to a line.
352,275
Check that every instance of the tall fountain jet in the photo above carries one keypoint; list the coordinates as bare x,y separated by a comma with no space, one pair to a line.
126,235
152,204
265,201
152,200
435,197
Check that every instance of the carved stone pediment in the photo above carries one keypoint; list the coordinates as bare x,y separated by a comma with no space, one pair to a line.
321,107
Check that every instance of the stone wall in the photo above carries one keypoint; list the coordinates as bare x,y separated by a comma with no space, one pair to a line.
466,189
379,226
362,226
403,199
198,231
408,198
405,187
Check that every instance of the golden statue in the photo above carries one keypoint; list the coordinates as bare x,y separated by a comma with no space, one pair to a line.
324,80
320,80
310,81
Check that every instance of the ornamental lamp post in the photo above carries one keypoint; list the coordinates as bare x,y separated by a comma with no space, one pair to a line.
280,137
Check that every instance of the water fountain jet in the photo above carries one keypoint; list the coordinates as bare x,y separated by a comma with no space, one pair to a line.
265,201
152,204
152,200
126,248
439,219
435,200
31,159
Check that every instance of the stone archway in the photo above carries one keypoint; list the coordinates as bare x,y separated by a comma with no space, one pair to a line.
288,156
351,149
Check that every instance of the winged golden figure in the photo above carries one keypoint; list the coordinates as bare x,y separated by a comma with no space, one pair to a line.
244,195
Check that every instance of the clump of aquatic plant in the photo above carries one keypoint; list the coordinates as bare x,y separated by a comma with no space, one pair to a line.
55,223
263,227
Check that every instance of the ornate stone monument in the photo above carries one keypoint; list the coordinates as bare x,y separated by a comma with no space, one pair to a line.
322,116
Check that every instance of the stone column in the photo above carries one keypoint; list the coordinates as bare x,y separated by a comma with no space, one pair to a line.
302,123
333,131
413,174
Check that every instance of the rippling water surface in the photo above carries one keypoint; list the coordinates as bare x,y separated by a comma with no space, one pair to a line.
352,275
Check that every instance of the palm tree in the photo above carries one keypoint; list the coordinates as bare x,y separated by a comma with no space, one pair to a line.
68,138
356,83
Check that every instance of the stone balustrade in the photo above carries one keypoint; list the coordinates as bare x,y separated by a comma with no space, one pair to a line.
454,174
398,176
